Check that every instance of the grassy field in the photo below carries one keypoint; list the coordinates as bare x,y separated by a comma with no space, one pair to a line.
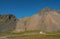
29,35
33,35
37,36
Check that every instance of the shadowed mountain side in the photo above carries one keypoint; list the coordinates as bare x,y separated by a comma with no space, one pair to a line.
7,22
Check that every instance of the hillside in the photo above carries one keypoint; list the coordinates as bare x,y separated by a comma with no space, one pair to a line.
7,22
43,25
46,20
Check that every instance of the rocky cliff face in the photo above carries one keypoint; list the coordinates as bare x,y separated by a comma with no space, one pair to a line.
46,20
7,22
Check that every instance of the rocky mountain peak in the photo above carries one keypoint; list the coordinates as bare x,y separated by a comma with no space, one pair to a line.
46,9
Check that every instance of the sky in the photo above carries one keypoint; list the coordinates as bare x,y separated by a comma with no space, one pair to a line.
24,8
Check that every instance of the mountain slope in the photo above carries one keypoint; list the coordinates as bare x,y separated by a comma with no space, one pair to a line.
46,20
7,22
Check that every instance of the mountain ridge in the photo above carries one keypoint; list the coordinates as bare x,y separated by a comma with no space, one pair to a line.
46,20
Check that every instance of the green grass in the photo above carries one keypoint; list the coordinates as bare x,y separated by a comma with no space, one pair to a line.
38,36
48,35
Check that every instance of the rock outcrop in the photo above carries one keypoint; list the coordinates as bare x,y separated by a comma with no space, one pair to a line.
7,22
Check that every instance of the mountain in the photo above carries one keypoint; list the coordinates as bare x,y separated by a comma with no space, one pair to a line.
46,20
7,22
